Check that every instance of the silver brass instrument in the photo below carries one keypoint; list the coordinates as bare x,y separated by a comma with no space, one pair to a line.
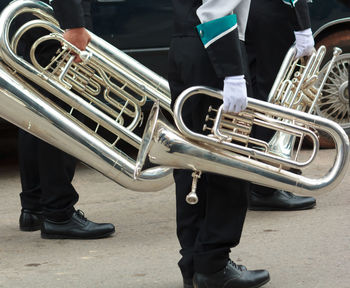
109,89
227,149
297,87
126,86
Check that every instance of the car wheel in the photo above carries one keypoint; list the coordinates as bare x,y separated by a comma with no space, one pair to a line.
334,101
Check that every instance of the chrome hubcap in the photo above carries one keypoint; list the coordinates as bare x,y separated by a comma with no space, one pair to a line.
334,101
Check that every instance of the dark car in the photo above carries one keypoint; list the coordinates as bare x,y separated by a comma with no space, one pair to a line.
331,26
140,28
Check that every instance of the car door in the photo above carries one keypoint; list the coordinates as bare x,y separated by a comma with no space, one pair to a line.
140,28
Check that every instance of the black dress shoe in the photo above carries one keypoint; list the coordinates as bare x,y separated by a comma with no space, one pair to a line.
280,200
188,283
77,227
232,276
30,220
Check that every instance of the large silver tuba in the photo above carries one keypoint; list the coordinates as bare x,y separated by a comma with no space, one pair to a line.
228,150
110,89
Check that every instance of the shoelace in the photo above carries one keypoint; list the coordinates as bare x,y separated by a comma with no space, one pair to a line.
239,267
81,215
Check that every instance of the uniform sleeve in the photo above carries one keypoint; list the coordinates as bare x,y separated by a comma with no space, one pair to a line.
69,13
299,14
218,32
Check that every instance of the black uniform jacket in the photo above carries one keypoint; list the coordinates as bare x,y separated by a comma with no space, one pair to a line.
221,23
299,15
69,13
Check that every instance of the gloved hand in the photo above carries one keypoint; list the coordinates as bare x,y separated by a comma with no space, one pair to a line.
235,94
304,42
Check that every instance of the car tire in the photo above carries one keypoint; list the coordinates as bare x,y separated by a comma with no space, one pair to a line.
334,101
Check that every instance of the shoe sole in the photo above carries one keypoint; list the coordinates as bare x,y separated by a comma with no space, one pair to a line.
261,284
256,286
29,228
257,208
58,236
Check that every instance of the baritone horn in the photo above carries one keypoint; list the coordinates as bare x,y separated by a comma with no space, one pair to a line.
96,108
298,86
230,150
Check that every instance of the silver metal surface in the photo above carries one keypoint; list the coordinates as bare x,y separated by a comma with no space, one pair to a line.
334,101
78,85
298,85
182,148
124,84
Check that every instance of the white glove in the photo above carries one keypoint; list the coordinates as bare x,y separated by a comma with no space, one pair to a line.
304,42
235,94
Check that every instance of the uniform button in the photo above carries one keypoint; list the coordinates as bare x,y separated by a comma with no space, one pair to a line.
201,33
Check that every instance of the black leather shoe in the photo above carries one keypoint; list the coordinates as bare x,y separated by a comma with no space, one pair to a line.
280,200
77,227
188,283
232,276
30,220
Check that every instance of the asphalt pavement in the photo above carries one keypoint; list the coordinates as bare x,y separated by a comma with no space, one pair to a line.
303,249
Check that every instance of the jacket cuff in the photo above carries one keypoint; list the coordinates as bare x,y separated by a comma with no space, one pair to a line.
221,41
301,16
290,2
69,13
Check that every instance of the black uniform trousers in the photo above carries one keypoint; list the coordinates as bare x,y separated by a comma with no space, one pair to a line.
46,175
269,35
46,172
207,230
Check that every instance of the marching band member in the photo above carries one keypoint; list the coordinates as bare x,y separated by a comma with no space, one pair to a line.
48,196
206,50
272,28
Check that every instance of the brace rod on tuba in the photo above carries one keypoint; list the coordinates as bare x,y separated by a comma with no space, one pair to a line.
227,149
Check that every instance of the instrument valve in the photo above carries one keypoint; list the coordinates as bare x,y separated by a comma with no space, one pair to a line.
206,128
